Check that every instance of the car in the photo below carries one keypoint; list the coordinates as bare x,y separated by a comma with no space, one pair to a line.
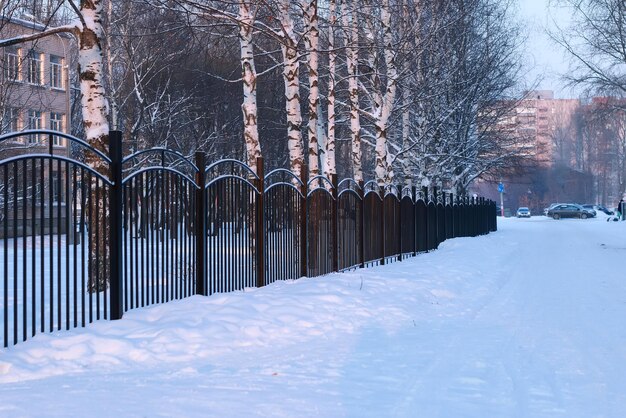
523,212
553,205
590,208
603,209
569,210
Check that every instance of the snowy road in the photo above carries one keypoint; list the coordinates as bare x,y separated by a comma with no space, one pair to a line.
526,322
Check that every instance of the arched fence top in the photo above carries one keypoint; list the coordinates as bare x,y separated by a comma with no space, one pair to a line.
319,190
324,182
406,192
348,185
162,153
234,177
49,135
392,189
160,170
283,184
282,176
371,186
82,165
233,165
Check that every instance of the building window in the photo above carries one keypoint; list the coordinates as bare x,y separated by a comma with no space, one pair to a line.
35,68
12,64
34,122
56,124
10,120
57,188
56,72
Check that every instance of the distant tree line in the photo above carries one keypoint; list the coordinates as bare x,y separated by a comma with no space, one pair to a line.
595,41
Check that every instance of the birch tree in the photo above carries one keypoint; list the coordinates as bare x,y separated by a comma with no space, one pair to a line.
330,163
381,94
352,41
311,40
249,77
242,15
291,79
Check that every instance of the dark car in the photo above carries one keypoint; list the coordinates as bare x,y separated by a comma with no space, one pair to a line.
591,209
603,209
552,206
569,210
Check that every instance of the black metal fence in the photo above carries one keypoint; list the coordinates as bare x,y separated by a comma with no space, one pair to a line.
92,236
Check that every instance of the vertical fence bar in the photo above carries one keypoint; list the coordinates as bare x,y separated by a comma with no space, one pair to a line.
115,230
260,227
200,224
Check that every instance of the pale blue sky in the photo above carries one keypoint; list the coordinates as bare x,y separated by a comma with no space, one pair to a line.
546,59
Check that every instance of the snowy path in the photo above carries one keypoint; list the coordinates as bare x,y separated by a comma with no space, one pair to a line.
526,322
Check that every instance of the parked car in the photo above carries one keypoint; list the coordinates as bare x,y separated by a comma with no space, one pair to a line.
552,206
523,212
591,209
569,210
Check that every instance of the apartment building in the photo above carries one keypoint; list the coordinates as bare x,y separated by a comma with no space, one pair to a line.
548,125
548,134
34,94
34,91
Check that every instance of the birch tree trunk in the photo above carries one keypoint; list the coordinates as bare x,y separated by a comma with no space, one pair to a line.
291,79
94,104
386,103
406,98
249,77
376,99
330,165
95,111
311,41
349,21
406,132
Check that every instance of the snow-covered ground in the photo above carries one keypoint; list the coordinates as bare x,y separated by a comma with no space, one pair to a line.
525,322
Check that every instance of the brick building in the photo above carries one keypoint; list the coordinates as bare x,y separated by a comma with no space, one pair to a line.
34,94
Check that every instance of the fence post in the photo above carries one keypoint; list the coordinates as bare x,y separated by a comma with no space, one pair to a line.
383,220
425,223
414,200
260,224
201,230
362,226
399,229
304,176
334,227
116,225
436,202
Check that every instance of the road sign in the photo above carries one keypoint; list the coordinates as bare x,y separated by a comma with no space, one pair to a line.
500,187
